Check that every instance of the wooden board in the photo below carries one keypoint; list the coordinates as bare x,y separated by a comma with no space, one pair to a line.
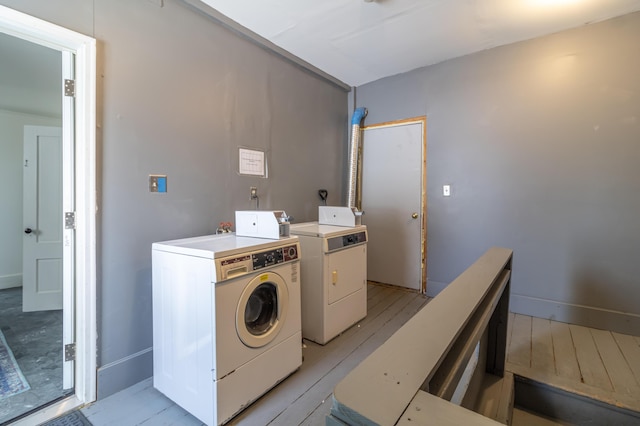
630,402
306,403
512,317
373,290
380,298
619,372
148,403
496,398
520,348
427,409
319,415
589,361
324,366
564,353
542,345
525,418
630,347
380,388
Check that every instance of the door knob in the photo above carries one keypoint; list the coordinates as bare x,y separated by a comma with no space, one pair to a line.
415,215
28,230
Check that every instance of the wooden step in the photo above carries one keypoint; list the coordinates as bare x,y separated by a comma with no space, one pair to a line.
495,398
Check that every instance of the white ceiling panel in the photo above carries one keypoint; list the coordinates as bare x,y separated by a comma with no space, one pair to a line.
358,41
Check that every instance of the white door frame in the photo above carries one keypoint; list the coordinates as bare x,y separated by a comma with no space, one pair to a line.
80,125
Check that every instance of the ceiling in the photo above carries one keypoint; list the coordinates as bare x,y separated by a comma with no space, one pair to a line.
359,41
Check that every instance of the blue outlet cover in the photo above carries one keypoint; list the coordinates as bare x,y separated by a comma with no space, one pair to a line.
162,184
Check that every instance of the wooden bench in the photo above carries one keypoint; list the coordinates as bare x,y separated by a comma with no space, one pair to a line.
446,365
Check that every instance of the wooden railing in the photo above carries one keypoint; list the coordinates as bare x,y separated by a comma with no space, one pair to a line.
453,349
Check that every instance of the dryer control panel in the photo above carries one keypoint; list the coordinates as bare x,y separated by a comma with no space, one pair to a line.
343,241
235,266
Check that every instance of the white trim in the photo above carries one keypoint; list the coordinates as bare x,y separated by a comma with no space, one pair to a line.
35,30
10,281
68,205
86,210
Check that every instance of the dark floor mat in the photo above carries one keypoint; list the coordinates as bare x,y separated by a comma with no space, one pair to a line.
74,418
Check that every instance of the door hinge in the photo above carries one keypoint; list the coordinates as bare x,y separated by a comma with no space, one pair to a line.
70,352
69,87
70,220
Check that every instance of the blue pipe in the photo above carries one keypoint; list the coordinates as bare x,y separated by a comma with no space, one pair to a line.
358,115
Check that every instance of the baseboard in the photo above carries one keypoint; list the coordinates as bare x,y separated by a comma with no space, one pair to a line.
121,374
588,316
10,281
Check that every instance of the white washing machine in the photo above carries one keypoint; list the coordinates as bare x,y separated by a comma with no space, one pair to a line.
226,321
334,278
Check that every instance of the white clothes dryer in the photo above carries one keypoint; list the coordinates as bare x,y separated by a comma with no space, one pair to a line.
334,278
226,321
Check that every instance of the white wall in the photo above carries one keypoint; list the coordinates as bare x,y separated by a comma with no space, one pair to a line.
11,226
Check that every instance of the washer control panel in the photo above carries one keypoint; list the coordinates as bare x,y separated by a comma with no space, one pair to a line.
235,266
274,257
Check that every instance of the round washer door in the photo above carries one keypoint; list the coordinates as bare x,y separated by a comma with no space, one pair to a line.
262,309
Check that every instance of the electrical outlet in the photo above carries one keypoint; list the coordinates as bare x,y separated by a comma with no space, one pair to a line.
254,192
446,190
157,183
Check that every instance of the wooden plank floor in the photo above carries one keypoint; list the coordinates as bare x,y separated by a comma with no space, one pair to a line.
581,360
304,398
594,363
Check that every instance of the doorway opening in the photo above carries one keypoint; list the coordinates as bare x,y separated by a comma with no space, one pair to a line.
77,201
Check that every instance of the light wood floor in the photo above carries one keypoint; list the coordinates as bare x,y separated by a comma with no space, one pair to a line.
304,398
594,363
578,359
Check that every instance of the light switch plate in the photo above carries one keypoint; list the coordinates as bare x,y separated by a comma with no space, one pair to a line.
158,183
446,190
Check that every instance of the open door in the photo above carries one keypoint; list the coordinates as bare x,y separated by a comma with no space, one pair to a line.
49,206
79,204
42,218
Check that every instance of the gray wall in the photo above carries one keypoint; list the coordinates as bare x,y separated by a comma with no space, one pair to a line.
177,95
540,141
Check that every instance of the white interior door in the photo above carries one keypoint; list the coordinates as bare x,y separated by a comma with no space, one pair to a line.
42,215
393,202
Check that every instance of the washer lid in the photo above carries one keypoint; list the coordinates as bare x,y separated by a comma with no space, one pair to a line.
221,245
